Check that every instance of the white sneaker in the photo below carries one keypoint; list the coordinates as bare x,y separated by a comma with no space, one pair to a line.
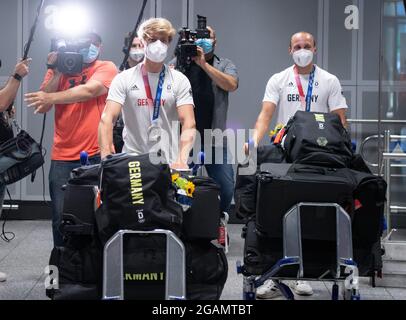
3,277
302,288
268,290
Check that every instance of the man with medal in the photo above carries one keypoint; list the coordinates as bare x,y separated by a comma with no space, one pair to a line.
153,100
303,86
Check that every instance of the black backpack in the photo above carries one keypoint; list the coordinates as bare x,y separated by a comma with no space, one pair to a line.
318,139
137,195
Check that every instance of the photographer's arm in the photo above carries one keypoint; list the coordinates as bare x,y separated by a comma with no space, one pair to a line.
54,75
53,83
41,100
109,117
9,92
187,119
221,79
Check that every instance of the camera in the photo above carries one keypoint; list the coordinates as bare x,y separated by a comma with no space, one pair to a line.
202,32
69,59
186,48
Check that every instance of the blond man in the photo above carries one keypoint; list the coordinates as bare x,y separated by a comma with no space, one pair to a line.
152,98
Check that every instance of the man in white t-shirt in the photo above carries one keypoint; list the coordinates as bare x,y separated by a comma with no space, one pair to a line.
153,99
288,92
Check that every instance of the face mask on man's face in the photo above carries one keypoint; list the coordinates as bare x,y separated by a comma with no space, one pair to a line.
156,51
90,54
205,44
137,54
303,57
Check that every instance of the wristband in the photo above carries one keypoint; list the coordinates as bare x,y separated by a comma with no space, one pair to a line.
17,77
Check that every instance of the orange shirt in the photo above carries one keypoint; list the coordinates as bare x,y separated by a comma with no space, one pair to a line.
76,124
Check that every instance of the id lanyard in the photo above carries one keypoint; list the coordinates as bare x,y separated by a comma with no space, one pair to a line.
157,101
306,102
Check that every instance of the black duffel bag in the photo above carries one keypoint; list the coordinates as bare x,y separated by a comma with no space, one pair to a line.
80,267
136,195
19,157
318,139
206,271
202,220
245,193
303,183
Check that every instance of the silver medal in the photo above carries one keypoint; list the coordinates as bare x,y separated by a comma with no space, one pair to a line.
154,133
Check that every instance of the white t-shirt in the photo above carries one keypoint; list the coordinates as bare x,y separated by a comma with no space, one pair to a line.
128,89
283,92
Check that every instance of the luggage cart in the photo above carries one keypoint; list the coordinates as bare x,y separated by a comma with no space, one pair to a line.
113,265
293,256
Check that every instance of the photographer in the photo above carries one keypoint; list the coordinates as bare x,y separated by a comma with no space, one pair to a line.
152,98
212,78
79,101
7,96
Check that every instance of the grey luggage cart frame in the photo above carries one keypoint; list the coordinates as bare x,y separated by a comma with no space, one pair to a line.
292,252
113,273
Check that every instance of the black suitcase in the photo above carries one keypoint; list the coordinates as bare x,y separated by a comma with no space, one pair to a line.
202,220
278,194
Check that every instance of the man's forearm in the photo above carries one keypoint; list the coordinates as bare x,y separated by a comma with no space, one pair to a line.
53,84
186,142
77,94
222,80
261,128
105,137
8,93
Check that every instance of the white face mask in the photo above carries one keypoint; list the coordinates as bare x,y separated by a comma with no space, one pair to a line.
303,57
156,51
137,54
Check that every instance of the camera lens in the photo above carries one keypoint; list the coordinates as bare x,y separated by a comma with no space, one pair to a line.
69,63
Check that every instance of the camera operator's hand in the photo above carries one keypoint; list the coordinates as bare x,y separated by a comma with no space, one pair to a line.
22,68
200,59
41,101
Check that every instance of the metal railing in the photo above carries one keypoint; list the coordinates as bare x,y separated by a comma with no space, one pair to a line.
387,157
372,121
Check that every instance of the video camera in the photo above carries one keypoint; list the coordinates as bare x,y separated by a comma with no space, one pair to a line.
69,60
187,49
